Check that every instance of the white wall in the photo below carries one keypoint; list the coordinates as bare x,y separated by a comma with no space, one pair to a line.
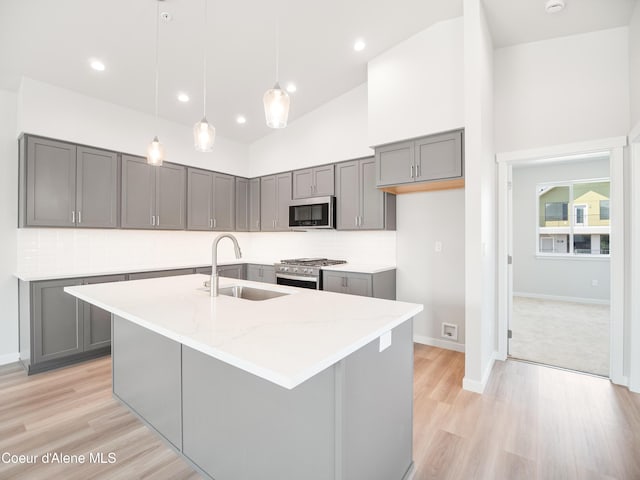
435,279
480,200
333,132
553,276
8,222
634,65
563,90
62,114
416,87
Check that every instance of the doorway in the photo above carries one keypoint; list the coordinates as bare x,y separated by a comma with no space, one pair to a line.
574,300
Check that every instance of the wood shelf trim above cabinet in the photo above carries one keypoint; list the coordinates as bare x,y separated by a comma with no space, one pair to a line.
425,186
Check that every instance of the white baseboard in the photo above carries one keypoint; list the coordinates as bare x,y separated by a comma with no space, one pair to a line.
9,358
541,296
436,342
479,386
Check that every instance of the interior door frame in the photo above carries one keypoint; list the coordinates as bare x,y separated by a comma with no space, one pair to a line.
614,148
634,354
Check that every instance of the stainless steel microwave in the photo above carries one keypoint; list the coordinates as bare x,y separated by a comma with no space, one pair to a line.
318,212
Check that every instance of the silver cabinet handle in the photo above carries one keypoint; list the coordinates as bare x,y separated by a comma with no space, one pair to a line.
158,220
356,220
210,223
214,223
79,217
73,216
418,170
411,171
153,220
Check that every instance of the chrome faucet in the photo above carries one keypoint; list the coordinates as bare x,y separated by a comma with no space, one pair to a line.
214,260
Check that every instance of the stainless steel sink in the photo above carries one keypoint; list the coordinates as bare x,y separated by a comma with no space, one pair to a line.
249,293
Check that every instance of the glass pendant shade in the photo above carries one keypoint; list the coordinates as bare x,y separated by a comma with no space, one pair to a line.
204,134
155,152
276,107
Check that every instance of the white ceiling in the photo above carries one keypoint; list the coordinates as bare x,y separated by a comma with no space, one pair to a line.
53,41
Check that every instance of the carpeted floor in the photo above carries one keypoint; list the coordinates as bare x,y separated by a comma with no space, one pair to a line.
563,334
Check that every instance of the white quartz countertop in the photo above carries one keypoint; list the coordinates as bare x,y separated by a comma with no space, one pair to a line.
359,268
285,340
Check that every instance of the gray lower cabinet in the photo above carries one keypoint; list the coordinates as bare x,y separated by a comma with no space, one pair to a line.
313,182
427,159
261,273
65,185
153,197
275,197
229,271
160,273
97,322
211,200
56,329
378,285
360,204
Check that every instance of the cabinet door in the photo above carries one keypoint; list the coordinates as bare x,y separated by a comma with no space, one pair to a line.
50,183
323,181
242,205
57,322
204,270
283,201
138,193
224,210
268,203
303,183
333,281
268,274
347,195
439,156
359,284
254,205
231,271
395,163
97,188
97,322
371,198
171,187
199,199
253,273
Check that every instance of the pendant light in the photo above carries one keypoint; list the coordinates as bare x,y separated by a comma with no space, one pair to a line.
204,134
155,150
276,100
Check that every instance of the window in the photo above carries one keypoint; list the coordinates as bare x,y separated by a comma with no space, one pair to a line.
586,231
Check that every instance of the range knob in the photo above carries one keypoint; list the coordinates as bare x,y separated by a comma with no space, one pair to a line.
308,270
295,270
284,269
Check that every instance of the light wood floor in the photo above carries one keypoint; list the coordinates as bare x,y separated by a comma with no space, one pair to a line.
532,423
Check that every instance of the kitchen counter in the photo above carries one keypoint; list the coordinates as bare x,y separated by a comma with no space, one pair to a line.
359,268
311,384
284,340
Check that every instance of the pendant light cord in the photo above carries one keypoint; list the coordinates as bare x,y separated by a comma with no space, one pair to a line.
157,55
277,47
204,62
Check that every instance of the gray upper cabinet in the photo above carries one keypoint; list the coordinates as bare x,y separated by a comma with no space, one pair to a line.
152,197
97,322
254,205
242,204
64,185
432,158
97,193
313,182
360,205
211,200
224,211
199,199
275,197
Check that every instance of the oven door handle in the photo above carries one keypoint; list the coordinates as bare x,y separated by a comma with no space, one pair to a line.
294,277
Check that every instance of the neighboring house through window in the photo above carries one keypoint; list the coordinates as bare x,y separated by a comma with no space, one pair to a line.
587,230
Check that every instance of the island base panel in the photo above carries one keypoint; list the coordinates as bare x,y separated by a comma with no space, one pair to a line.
147,376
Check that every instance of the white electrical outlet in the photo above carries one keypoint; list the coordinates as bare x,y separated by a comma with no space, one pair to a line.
449,331
438,246
594,283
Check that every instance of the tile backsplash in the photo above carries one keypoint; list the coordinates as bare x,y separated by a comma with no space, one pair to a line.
70,251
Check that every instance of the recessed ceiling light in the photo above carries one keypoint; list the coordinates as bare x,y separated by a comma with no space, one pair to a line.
97,65
241,119
359,45
553,6
291,87
183,97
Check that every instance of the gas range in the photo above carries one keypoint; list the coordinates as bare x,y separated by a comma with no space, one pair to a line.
303,272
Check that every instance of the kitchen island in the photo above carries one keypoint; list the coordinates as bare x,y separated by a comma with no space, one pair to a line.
308,384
